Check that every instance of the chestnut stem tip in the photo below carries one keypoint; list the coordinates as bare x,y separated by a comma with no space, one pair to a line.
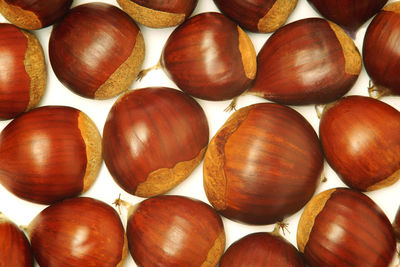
144,72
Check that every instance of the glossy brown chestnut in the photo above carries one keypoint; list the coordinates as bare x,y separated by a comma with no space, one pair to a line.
361,140
396,225
380,50
344,227
262,250
78,232
49,153
158,13
34,14
153,139
210,57
310,61
15,249
96,50
23,71
258,15
175,231
263,164
349,14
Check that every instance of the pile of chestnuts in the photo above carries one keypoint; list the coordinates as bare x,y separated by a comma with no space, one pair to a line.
207,133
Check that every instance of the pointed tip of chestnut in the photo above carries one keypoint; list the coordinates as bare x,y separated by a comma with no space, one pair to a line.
49,153
34,14
97,50
158,14
344,225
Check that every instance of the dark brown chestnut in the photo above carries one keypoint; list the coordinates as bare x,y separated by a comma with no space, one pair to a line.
344,227
34,14
361,140
380,50
210,57
258,15
396,225
262,250
15,249
153,139
175,231
349,14
310,61
263,164
96,50
49,153
23,71
78,232
158,13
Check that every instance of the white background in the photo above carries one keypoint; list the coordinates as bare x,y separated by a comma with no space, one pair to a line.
105,189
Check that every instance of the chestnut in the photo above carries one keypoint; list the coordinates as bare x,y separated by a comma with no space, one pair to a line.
158,13
23,69
153,139
380,50
258,15
34,14
263,164
396,225
344,227
78,232
96,50
309,61
361,140
349,14
49,153
210,57
260,250
15,249
175,231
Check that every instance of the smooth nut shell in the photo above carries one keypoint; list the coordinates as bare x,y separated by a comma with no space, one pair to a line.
175,231
49,153
342,225
361,140
396,224
153,139
96,51
263,164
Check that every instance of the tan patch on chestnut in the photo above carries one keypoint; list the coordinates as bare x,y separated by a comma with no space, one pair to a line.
3,218
214,178
248,53
19,17
150,17
216,251
123,77
35,67
276,16
164,179
352,57
394,7
385,182
307,219
91,137
124,252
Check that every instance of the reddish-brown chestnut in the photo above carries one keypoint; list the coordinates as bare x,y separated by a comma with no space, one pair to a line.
96,50
361,140
78,232
310,61
344,227
258,15
263,164
15,249
210,57
262,250
396,225
380,50
23,71
153,139
175,231
49,153
34,14
349,14
158,13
